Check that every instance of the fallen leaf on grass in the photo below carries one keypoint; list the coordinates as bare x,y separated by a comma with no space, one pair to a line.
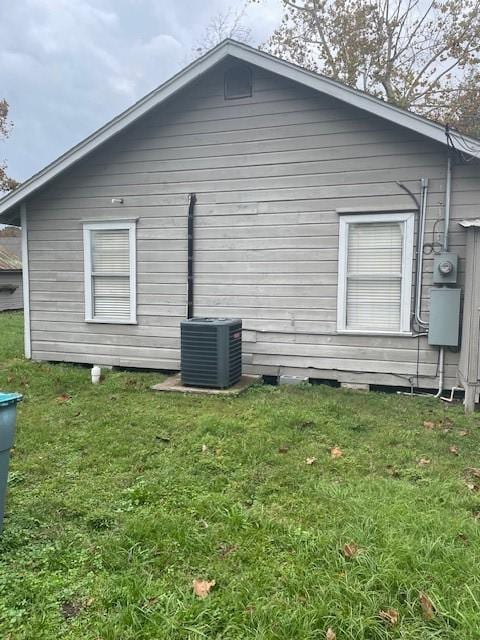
149,603
454,449
336,452
72,608
227,549
308,424
202,588
428,610
423,462
392,471
470,474
463,433
463,538
390,616
330,635
311,460
64,397
446,423
283,448
350,549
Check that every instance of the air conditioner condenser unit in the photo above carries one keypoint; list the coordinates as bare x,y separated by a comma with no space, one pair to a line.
211,352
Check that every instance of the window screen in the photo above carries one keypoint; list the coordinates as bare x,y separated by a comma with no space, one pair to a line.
110,273
375,275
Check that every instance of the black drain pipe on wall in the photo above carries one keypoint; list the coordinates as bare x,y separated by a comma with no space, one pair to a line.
190,247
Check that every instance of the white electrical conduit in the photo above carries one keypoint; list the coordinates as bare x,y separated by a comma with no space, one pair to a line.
422,218
448,189
448,193
419,266
441,372
452,394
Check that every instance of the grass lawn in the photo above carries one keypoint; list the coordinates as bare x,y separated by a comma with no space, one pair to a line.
119,498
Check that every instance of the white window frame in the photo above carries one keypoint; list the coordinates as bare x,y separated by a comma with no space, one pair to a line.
87,257
408,219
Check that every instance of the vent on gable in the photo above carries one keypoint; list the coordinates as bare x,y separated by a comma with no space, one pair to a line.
238,82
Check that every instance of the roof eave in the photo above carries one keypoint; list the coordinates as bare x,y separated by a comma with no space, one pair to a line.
112,128
247,54
356,98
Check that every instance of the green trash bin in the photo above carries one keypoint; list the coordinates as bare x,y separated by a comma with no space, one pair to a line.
8,418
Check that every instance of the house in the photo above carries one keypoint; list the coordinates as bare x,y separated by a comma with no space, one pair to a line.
11,293
323,217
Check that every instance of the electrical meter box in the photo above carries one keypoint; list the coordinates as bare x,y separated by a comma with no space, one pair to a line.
445,268
444,319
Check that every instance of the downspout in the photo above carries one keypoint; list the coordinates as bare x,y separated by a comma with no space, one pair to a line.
190,248
448,192
419,265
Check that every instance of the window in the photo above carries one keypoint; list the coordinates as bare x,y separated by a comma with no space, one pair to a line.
238,82
375,272
110,278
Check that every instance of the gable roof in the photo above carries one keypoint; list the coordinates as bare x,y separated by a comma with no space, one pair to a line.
200,66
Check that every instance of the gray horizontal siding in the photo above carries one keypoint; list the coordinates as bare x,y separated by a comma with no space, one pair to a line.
269,172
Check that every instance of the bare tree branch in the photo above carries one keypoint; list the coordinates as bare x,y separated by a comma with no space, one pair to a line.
225,24
409,52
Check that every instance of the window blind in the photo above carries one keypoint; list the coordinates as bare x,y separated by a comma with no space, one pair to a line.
374,276
110,273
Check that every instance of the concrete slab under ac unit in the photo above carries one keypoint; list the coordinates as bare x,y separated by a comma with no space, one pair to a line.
174,385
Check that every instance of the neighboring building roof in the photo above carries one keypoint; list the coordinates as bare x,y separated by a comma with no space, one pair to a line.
10,232
249,55
9,261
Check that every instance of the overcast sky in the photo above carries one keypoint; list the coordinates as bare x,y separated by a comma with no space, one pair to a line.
68,66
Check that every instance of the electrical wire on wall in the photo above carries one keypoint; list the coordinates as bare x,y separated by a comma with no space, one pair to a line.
435,246
461,147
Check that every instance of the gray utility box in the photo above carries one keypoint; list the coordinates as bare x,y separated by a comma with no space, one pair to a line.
211,352
445,268
444,318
